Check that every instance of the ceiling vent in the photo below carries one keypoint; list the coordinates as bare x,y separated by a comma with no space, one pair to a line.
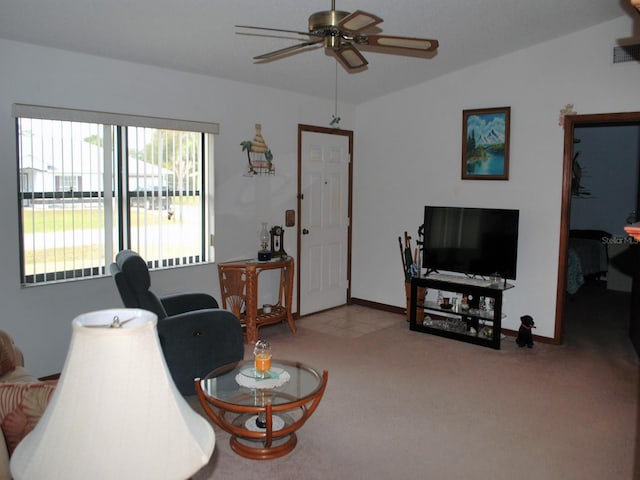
626,53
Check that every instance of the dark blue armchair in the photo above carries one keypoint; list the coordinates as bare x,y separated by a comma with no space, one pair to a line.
196,336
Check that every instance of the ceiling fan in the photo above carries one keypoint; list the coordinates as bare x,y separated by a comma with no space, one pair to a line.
342,34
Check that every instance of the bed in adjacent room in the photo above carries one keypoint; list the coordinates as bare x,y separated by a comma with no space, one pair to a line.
587,258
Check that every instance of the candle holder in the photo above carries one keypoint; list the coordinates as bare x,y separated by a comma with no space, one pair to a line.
264,254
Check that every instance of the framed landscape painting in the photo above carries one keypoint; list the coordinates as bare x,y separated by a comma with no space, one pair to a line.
485,144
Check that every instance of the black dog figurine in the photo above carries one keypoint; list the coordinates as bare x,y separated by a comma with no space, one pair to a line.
525,337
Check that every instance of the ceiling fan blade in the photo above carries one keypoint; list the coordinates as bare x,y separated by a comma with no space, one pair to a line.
358,21
405,43
311,34
269,35
350,58
286,51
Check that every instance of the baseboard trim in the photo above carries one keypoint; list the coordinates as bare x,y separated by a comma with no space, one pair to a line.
378,306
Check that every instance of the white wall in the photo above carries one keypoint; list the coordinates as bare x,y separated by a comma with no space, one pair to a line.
39,317
408,154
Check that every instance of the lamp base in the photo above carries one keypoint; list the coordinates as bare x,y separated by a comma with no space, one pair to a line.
264,255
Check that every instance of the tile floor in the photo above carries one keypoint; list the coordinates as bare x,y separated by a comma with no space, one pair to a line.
350,321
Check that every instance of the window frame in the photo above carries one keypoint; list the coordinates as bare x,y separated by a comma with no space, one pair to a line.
119,231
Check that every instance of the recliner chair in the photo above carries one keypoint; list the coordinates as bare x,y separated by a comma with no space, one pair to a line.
196,336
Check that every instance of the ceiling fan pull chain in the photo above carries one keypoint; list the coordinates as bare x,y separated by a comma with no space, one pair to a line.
335,121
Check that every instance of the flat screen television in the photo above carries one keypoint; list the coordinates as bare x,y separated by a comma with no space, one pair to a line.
473,241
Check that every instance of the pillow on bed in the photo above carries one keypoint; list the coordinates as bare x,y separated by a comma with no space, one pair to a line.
21,406
8,357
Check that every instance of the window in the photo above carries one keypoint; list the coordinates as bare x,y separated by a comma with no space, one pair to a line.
92,184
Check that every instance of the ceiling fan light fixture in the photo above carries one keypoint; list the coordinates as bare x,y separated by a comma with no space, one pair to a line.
334,42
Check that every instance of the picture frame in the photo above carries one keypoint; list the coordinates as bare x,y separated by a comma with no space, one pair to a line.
485,143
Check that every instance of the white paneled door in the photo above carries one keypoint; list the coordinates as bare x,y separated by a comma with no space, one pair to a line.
323,220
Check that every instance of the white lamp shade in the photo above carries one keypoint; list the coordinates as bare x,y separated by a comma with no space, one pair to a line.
116,413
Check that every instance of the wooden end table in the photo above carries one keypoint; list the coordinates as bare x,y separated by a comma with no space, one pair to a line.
239,290
235,408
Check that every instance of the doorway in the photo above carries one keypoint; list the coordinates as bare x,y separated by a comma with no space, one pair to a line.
324,218
570,123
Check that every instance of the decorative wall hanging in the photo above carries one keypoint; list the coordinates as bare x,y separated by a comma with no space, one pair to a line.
259,156
485,144
567,110
577,174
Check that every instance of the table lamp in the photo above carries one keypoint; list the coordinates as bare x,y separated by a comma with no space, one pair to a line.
116,413
634,228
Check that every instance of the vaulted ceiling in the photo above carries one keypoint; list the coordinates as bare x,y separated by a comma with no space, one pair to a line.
199,36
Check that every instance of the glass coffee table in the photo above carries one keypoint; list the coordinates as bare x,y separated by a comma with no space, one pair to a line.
261,414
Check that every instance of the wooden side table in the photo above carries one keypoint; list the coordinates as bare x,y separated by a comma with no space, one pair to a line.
239,289
234,406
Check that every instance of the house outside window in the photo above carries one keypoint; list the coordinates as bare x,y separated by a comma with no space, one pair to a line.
92,184
67,183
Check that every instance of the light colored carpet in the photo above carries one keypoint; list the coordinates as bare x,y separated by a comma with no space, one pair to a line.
406,405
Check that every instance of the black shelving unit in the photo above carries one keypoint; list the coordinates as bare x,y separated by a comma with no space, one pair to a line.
474,324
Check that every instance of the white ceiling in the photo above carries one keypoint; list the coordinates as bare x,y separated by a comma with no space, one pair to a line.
199,36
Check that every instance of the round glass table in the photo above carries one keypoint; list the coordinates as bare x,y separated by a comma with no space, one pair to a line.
261,414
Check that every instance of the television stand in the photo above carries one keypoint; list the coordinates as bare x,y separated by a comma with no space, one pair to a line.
479,322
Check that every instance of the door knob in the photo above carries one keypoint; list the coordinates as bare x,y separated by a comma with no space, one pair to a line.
305,231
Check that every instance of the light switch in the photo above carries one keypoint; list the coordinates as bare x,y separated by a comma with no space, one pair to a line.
290,218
